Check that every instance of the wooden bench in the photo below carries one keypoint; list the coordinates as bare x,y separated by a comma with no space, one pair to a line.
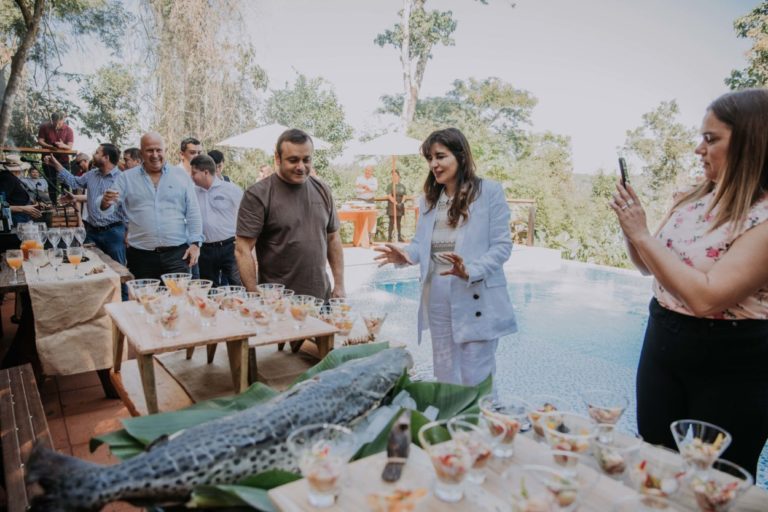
23,423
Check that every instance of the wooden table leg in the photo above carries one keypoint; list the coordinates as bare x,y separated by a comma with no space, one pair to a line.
190,353
118,342
211,351
324,345
238,363
253,369
147,372
296,346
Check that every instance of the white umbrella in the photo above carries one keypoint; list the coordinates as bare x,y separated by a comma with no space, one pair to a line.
265,138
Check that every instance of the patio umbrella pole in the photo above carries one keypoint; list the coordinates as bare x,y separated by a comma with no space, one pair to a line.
394,194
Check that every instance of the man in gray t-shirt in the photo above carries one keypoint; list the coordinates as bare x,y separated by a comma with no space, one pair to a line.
291,220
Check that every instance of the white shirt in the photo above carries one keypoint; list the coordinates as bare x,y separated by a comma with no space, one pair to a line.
219,206
371,183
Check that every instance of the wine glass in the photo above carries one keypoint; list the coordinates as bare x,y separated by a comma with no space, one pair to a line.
300,306
56,258
54,235
79,234
14,257
37,258
75,256
66,236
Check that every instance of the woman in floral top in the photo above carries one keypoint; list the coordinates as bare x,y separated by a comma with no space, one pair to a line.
705,353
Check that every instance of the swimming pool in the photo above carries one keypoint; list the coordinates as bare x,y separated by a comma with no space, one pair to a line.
580,327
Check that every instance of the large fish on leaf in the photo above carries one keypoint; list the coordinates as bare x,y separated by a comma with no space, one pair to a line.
222,451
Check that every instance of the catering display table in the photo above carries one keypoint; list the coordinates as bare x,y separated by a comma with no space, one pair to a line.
364,477
147,341
365,223
23,348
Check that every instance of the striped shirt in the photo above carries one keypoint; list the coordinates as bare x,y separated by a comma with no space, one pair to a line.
96,183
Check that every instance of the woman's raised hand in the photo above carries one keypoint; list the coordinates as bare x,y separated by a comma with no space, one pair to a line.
630,212
390,253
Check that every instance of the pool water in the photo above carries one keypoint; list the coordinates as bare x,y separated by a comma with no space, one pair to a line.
580,327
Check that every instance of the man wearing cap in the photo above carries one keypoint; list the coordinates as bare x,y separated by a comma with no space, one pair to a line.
22,207
55,135
106,229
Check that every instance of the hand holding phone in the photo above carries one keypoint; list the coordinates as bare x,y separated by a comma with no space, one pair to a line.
623,170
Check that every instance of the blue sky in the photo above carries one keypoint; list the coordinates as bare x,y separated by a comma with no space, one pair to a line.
595,65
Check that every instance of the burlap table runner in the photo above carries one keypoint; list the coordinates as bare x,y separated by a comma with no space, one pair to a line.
73,331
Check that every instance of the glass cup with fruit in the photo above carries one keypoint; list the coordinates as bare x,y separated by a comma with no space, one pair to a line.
568,431
247,306
322,452
170,316
656,472
513,412
281,304
14,258
450,458
208,306
373,322
480,434
177,283
605,406
541,404
234,296
134,284
534,488
614,451
717,491
263,314
342,319
300,307
699,443
197,288
151,300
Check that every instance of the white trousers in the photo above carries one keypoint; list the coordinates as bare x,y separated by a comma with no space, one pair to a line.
457,363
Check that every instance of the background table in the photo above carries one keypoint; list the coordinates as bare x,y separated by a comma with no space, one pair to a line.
365,223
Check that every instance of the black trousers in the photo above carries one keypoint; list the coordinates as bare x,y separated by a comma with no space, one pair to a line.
52,177
151,264
217,263
392,225
710,370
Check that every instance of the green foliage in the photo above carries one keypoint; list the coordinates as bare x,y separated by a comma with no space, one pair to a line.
427,28
752,26
111,98
311,105
33,106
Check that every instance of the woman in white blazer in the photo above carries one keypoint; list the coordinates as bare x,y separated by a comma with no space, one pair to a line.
462,241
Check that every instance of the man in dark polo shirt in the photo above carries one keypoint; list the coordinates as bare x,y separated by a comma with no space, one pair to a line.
55,135
291,220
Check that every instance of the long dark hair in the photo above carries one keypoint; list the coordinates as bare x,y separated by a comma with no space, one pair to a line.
467,182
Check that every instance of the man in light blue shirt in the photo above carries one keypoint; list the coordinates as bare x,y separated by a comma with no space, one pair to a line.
219,203
159,202
106,229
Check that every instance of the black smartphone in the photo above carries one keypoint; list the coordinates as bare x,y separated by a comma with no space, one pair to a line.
623,170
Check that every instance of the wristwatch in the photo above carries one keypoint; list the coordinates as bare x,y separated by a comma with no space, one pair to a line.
198,244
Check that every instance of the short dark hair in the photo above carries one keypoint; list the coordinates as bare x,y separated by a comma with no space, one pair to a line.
294,136
112,152
133,154
189,140
217,156
55,116
204,163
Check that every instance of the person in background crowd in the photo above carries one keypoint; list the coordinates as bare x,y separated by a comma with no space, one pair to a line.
106,229
265,171
36,186
705,352
80,165
23,208
395,206
218,159
156,190
190,148
461,244
132,158
55,135
366,185
291,221
219,203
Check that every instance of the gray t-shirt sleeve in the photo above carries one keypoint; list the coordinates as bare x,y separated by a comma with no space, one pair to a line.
250,216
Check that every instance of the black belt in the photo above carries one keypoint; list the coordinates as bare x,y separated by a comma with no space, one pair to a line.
162,249
100,229
221,243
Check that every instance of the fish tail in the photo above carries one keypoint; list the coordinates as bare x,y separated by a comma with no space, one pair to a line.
55,473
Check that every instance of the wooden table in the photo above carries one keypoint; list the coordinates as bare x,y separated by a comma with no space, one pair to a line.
147,341
364,477
23,347
365,223
42,151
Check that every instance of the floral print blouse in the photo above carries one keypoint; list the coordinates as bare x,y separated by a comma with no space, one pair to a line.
686,234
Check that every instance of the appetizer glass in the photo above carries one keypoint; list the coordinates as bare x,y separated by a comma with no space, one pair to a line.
247,307
541,404
208,306
699,443
373,322
14,258
134,284
513,412
197,288
568,431
151,300
170,316
234,296
717,491
177,283
341,302
322,452
605,406
450,458
479,435
614,451
656,472
301,306
262,313
542,489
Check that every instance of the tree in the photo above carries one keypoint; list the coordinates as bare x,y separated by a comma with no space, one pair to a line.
752,26
311,105
415,37
111,98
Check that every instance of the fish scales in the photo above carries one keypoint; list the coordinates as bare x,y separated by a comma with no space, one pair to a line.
222,451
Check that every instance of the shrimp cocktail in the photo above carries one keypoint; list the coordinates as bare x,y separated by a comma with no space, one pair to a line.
543,404
605,406
450,457
699,443
234,296
568,431
717,491
170,316
322,451
481,435
301,306
615,451
512,412
177,283
208,306
197,288
656,472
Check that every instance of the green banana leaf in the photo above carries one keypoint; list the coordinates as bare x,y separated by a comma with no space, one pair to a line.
251,491
338,356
